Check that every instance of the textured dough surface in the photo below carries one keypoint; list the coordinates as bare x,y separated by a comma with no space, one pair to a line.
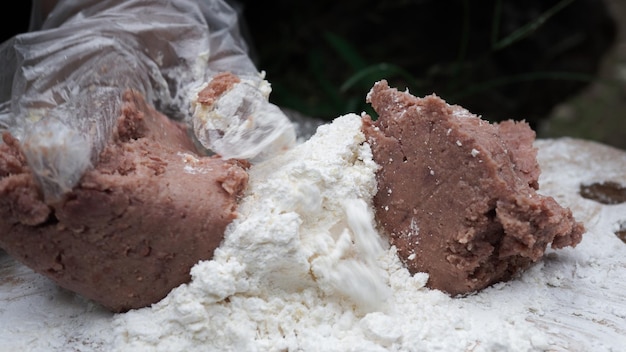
136,223
457,195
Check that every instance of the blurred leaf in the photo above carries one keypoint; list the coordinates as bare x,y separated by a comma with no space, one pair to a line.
346,51
530,27
319,72
369,75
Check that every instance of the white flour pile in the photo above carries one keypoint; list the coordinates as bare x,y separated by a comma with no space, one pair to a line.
299,258
303,269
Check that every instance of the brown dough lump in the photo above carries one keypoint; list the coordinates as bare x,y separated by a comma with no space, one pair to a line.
136,223
457,195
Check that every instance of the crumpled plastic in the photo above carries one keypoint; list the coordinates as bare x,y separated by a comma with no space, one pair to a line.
61,83
241,124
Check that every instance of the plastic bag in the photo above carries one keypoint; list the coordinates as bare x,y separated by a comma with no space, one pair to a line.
61,84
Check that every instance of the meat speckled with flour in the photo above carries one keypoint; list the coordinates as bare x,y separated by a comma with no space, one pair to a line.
135,224
457,195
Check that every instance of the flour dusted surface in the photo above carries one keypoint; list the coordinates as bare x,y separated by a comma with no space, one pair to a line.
298,266
303,270
276,282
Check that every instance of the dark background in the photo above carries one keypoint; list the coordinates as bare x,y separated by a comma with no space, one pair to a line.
16,20
445,47
323,56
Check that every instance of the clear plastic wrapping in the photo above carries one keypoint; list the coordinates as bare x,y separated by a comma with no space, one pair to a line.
61,84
